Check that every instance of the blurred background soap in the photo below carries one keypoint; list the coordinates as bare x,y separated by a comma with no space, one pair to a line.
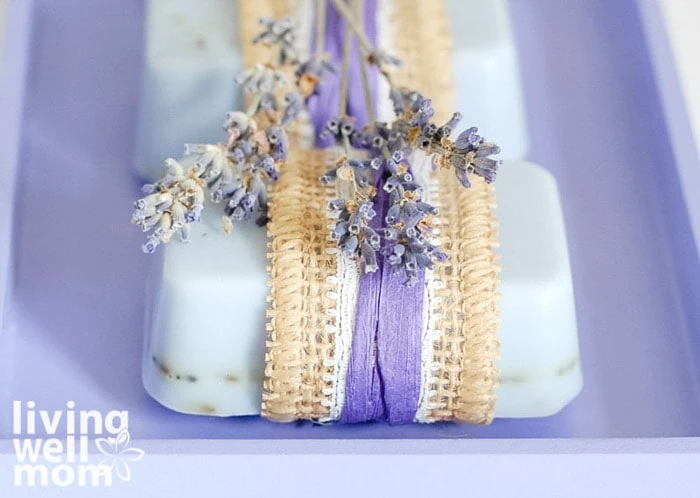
194,53
487,73
540,364
205,344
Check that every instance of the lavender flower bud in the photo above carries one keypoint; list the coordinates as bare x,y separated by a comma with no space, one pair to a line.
467,140
426,208
349,246
340,230
150,246
391,184
372,237
393,215
355,223
185,232
463,177
397,100
391,234
485,168
366,209
410,262
369,256
336,204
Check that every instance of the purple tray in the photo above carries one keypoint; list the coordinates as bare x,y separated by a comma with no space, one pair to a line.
602,119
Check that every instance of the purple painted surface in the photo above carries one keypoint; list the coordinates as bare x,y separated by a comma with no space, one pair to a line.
596,119
685,155
13,69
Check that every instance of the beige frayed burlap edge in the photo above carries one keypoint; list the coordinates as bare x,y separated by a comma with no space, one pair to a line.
467,347
300,374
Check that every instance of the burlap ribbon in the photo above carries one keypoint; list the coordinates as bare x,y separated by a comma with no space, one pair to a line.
309,328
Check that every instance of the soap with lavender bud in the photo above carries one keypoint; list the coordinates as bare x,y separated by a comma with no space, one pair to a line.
205,355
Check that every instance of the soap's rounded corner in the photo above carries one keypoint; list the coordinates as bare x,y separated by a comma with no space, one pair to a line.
538,169
570,398
529,407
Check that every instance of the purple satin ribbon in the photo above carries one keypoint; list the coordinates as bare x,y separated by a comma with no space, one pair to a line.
364,397
384,371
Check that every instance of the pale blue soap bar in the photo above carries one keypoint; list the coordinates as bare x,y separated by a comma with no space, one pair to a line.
207,312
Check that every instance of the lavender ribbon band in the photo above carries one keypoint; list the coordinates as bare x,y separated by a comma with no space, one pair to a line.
399,345
364,399
383,377
384,370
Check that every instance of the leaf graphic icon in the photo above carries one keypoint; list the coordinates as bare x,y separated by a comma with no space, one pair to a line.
132,454
106,446
122,441
123,470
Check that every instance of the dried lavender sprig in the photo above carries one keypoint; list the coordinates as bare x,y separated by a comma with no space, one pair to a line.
407,248
260,82
354,235
309,74
172,204
468,154
343,131
376,57
281,33
236,174
405,233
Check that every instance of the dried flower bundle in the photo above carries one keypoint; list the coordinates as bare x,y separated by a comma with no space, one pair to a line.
372,174
405,232
236,174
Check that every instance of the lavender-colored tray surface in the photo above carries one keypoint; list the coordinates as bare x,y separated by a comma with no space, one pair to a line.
74,323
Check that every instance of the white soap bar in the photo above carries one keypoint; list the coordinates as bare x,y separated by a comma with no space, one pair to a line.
205,346
206,338
487,74
194,53
540,366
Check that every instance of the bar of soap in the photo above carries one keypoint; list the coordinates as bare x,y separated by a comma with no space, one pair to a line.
206,339
205,344
540,366
487,74
194,53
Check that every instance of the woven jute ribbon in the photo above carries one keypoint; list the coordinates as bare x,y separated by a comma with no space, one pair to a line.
307,326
